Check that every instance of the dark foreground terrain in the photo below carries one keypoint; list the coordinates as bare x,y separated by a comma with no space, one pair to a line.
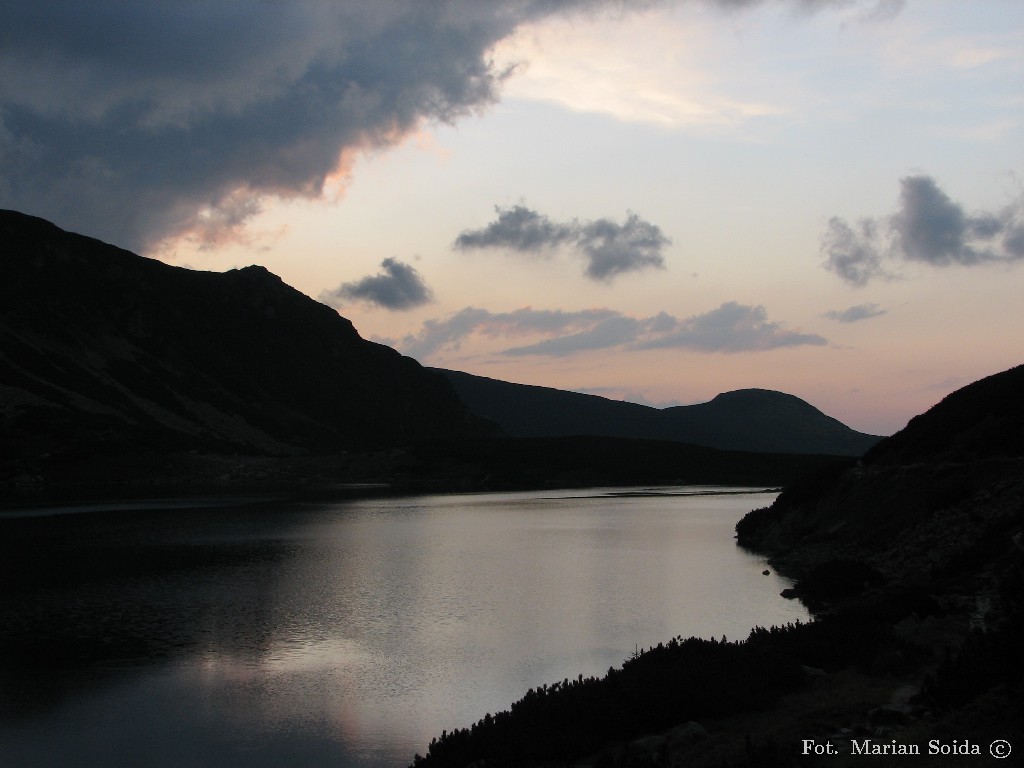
913,563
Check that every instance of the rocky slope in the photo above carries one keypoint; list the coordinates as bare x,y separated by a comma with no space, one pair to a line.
941,499
925,537
103,351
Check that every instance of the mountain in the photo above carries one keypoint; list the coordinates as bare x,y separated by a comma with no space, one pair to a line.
924,540
744,420
940,496
120,375
106,352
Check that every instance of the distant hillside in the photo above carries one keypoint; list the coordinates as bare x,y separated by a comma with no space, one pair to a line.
745,420
106,351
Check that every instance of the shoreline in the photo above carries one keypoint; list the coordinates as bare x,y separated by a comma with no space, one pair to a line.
35,507
504,464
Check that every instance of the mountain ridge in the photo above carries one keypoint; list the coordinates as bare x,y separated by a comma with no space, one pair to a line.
758,420
120,374
102,346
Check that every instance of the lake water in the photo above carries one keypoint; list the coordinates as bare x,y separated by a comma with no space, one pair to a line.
346,633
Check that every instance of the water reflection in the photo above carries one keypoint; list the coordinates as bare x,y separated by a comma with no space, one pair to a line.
344,634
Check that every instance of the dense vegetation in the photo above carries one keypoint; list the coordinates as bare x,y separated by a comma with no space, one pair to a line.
656,689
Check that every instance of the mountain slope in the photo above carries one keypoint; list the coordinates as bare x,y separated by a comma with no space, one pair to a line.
745,420
104,350
941,499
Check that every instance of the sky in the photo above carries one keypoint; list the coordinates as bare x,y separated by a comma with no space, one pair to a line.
649,201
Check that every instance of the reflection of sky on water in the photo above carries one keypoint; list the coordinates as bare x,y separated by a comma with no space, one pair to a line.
351,634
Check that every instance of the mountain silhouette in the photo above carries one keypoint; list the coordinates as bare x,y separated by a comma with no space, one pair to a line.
104,350
745,420
121,372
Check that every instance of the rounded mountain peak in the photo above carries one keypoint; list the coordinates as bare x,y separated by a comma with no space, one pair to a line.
758,396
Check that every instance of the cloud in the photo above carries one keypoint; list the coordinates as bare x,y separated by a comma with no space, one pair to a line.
130,121
932,228
451,331
398,286
519,229
929,227
855,314
141,121
609,248
612,249
731,328
612,331
885,10
853,252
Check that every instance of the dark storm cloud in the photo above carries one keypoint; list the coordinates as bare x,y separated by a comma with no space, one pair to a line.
928,227
398,286
132,120
609,248
136,121
731,328
855,314
879,10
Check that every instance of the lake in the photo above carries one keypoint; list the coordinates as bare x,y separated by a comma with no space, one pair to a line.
270,633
